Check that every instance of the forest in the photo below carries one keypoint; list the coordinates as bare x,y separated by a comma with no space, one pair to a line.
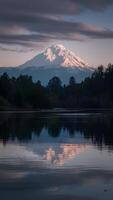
22,93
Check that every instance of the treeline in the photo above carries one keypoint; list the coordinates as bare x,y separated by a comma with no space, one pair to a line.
94,92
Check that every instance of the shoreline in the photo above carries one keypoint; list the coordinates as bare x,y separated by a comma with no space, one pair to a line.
58,110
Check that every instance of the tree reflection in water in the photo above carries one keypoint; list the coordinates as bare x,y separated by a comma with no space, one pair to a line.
98,128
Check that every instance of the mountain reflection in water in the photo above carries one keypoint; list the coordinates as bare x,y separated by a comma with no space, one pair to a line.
56,156
68,152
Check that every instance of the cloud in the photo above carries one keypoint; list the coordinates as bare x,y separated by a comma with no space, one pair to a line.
52,6
32,22
94,5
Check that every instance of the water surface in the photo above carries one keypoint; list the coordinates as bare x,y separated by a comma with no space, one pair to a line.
56,156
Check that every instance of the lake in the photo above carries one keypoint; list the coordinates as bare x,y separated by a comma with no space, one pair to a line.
56,156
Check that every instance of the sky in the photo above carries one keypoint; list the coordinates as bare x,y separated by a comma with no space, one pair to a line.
27,27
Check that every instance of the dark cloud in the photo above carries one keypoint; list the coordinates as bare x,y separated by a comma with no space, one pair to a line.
53,6
94,5
25,22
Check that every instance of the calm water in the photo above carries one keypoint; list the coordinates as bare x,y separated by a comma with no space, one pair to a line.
56,156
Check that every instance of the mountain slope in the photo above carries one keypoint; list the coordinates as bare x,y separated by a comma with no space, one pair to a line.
56,56
54,61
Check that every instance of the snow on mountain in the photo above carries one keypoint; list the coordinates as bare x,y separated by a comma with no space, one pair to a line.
56,56
54,61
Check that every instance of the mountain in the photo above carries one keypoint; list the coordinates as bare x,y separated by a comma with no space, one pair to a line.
56,56
54,61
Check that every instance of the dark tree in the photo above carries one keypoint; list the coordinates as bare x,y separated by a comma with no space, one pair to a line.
72,81
23,93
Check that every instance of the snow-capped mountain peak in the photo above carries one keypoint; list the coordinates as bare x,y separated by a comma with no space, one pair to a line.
56,56
54,61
